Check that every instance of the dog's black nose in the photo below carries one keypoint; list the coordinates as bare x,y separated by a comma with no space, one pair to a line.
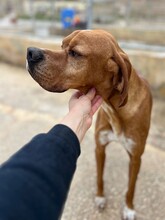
34,54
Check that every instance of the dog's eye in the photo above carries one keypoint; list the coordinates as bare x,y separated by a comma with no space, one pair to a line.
73,53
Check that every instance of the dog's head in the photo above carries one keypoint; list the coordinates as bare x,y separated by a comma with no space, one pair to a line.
87,59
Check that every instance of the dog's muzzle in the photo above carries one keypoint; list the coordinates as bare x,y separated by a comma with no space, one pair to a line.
34,56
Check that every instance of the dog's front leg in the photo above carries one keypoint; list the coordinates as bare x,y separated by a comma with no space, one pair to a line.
100,161
134,167
101,137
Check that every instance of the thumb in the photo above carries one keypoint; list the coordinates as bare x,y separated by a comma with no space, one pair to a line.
91,93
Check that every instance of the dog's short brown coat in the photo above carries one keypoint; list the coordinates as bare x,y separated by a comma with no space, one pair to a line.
94,59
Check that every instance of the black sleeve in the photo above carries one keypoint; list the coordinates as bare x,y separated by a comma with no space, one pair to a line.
34,182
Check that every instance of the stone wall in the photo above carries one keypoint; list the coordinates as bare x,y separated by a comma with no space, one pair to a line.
13,48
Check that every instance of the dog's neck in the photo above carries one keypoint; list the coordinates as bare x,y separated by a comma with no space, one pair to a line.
113,97
110,95
134,93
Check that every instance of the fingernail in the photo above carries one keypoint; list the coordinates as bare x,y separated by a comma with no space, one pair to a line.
93,90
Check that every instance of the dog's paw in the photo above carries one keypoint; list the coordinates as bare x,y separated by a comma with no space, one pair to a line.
100,202
129,214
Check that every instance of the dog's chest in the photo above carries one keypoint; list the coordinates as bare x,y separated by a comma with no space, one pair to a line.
117,133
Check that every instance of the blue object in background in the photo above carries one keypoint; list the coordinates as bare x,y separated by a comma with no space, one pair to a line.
67,16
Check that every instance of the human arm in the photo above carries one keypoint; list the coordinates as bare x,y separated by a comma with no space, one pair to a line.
35,181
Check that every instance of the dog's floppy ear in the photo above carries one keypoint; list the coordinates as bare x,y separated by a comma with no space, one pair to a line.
120,80
69,37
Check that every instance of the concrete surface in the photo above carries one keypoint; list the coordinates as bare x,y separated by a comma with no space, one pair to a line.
26,110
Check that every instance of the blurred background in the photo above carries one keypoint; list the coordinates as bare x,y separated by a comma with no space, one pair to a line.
27,15
26,109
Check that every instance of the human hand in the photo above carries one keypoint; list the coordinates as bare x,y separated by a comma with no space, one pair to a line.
81,110
85,105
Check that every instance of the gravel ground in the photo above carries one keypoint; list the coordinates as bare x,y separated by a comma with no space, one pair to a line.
26,109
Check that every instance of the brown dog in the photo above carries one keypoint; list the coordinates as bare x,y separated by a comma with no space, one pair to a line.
94,59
